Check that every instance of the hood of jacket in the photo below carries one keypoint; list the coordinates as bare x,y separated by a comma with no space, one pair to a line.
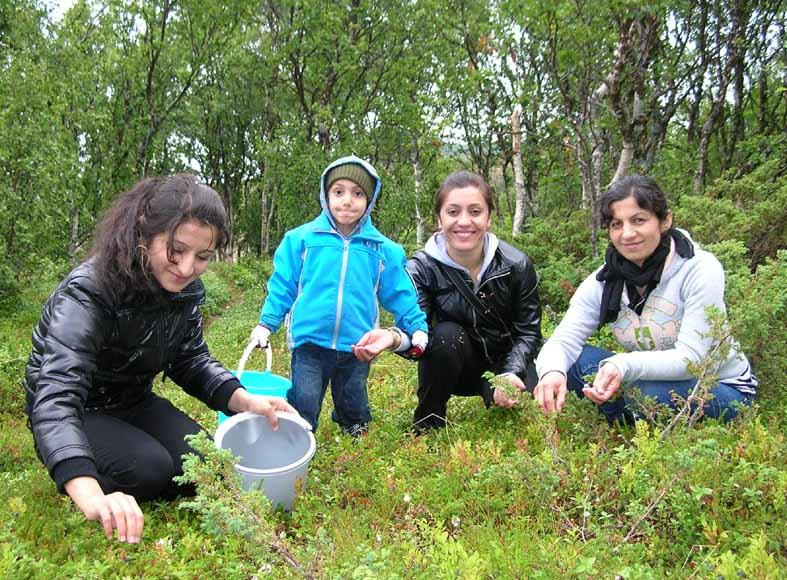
675,260
370,202
436,248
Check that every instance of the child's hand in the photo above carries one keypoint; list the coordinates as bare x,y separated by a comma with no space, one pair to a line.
373,343
260,336
419,341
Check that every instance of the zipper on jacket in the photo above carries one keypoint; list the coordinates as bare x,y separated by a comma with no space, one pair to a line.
339,299
480,337
289,318
495,277
475,321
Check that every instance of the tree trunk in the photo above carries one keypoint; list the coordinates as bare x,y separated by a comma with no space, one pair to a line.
263,218
73,242
629,146
419,178
519,178
268,222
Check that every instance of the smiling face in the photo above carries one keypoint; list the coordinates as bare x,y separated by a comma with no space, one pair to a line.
347,203
636,232
464,220
193,246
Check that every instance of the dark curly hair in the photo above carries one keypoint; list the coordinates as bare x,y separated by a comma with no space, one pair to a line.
155,205
644,190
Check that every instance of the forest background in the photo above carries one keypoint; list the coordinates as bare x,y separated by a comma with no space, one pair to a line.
550,101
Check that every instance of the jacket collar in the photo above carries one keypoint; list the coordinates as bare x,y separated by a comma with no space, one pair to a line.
436,248
674,260
365,230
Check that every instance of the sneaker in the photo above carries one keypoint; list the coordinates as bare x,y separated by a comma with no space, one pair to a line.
357,430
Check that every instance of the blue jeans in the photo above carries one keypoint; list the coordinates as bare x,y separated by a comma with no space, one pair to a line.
312,368
625,407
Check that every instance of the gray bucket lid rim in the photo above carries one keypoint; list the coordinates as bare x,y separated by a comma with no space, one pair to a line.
282,415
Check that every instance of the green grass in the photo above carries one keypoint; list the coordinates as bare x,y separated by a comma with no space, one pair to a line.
498,494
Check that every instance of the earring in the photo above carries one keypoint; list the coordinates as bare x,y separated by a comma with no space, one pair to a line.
144,257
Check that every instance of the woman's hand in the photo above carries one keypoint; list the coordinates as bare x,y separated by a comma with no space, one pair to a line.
550,392
115,511
373,343
241,400
501,398
607,382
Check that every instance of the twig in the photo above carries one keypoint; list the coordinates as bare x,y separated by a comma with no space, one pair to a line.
710,359
12,360
650,508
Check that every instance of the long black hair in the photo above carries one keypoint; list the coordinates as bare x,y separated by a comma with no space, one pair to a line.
155,205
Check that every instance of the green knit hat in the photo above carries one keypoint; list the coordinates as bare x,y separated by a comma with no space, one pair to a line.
353,172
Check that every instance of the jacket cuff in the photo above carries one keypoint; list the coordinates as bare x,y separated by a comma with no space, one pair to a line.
222,395
68,469
487,393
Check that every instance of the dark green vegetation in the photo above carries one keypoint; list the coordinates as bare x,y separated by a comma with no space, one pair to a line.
257,98
498,494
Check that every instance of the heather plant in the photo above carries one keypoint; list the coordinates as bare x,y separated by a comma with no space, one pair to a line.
498,493
225,510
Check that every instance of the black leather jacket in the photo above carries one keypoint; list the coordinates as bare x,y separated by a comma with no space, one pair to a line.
90,353
509,288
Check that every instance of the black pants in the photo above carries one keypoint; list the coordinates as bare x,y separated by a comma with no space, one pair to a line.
452,366
138,450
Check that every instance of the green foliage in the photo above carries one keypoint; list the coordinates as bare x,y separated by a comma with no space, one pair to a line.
560,250
217,293
496,492
758,314
228,512
748,207
261,108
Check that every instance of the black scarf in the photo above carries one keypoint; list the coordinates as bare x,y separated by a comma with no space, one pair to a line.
618,271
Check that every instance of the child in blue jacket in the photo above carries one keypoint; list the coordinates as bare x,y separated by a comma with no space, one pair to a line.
329,275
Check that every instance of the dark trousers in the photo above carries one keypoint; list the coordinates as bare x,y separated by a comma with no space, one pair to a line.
452,366
312,368
138,450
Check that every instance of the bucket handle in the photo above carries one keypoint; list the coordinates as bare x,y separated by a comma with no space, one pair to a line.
247,353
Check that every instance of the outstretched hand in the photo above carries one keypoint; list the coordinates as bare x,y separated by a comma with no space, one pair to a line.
503,399
114,511
241,400
550,392
605,385
372,344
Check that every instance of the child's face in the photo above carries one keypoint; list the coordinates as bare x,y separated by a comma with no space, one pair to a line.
347,203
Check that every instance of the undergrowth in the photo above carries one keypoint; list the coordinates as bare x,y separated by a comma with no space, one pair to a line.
497,494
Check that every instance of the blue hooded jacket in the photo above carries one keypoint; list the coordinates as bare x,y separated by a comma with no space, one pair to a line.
330,284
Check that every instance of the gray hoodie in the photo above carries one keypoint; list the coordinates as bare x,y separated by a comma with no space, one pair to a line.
668,334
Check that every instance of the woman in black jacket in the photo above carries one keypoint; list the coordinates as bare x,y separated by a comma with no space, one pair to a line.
130,311
480,296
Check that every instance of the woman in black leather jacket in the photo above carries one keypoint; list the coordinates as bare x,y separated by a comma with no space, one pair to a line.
480,296
130,311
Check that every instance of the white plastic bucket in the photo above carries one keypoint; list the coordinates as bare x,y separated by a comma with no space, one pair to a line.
276,460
